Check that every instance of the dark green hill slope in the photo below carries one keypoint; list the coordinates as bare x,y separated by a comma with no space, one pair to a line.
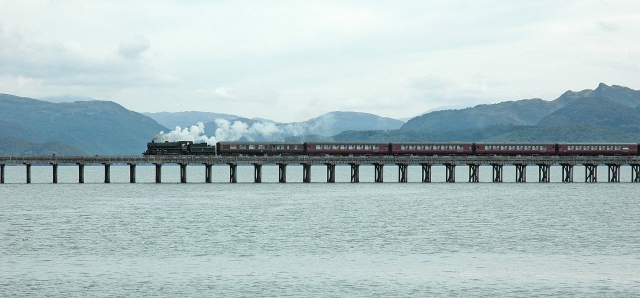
19,146
95,127
522,112
595,111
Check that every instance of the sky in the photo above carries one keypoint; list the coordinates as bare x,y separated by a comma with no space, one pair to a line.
294,60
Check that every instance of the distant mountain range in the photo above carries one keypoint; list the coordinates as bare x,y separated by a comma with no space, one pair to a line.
89,127
606,114
32,127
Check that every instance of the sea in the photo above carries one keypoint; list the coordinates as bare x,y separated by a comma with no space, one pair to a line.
317,239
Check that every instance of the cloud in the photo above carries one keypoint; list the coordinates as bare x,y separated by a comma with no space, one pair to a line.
132,47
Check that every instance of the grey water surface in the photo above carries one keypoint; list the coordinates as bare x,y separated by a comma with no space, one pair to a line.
317,239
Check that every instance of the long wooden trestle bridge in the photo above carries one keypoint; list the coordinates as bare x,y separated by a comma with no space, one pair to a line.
543,163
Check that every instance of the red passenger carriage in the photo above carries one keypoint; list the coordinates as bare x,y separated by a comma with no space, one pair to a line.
597,149
347,148
431,148
514,149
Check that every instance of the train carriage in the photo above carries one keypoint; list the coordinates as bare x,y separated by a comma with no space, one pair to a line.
597,149
346,148
431,148
259,148
515,149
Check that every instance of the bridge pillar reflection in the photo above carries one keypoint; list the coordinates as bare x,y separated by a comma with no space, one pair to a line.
355,172
635,173
132,172
614,172
257,173
450,173
306,173
233,173
474,173
378,175
331,173
183,172
590,173
158,172
521,173
282,172
544,173
107,172
28,172
426,172
497,172
80,173
567,172
55,172
1,173
403,173
207,172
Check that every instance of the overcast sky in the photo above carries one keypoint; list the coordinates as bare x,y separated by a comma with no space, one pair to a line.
293,60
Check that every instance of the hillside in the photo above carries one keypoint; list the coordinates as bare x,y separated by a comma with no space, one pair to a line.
595,111
19,146
522,112
95,127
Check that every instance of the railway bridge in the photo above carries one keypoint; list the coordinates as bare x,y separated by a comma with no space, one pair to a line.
543,164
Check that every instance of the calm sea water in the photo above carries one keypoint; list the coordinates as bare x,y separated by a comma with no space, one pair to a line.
317,239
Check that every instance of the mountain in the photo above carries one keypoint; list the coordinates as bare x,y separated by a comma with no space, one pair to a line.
19,146
336,122
187,119
94,127
595,111
522,112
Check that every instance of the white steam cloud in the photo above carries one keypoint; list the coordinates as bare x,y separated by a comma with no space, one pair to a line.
232,131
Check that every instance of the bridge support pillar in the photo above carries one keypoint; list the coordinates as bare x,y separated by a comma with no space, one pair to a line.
403,173
158,172
257,173
183,173
306,173
28,172
497,172
132,173
1,173
282,172
450,173
426,172
331,173
55,172
614,172
544,173
567,173
635,173
207,172
378,175
521,173
107,173
80,173
233,173
355,173
590,173
474,173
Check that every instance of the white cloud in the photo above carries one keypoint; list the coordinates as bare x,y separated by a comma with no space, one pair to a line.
132,47
289,61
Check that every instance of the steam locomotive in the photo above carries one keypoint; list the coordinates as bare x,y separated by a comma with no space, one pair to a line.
363,148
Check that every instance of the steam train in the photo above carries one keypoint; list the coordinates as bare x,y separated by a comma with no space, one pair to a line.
355,149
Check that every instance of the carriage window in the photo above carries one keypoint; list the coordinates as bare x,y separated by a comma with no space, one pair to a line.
419,147
233,147
342,147
412,147
334,147
403,147
242,147
318,147
252,146
367,147
376,147
358,147
351,147
327,147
